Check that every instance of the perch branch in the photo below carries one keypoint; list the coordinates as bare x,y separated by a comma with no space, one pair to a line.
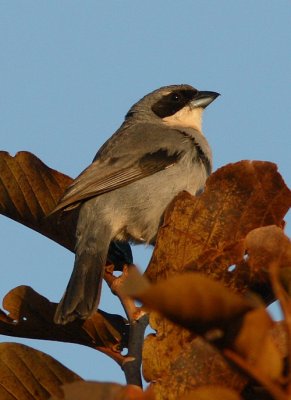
138,321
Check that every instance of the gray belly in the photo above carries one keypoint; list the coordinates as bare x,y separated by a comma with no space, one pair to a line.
135,211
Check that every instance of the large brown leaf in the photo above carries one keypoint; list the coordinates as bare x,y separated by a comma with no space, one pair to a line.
192,300
175,359
29,192
31,315
176,362
28,374
206,233
256,344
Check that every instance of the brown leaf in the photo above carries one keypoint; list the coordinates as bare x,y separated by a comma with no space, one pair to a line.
190,299
212,392
101,391
31,315
279,337
176,362
30,191
267,245
206,233
255,343
27,374
268,388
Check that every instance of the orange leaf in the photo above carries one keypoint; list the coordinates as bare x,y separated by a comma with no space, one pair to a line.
176,362
31,315
266,245
255,343
30,190
174,359
190,299
101,391
266,248
206,233
212,392
28,374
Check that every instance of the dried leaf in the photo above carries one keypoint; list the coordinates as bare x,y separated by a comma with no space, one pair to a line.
31,315
206,233
255,343
27,374
101,391
30,190
176,362
191,300
212,392
279,337
267,245
268,388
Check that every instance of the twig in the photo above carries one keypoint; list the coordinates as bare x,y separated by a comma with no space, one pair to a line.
138,321
115,283
132,363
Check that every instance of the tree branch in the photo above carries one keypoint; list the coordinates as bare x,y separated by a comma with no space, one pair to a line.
138,321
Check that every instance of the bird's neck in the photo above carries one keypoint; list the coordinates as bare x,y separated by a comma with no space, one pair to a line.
187,118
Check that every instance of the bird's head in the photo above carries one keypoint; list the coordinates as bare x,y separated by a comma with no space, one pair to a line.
175,105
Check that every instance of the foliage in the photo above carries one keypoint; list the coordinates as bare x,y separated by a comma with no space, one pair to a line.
220,259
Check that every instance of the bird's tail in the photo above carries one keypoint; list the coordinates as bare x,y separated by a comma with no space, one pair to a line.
82,294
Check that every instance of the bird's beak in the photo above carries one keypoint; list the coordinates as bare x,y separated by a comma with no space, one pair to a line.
203,99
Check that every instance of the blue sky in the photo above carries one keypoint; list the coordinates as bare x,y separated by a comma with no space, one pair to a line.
70,70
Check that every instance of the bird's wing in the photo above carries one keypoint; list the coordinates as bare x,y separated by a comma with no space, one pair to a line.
130,158
95,181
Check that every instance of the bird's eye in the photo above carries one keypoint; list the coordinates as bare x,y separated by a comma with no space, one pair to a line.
176,97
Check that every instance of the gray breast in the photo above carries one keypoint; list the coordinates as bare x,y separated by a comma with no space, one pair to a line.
136,210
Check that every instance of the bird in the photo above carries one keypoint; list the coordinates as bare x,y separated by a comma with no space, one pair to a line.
158,151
